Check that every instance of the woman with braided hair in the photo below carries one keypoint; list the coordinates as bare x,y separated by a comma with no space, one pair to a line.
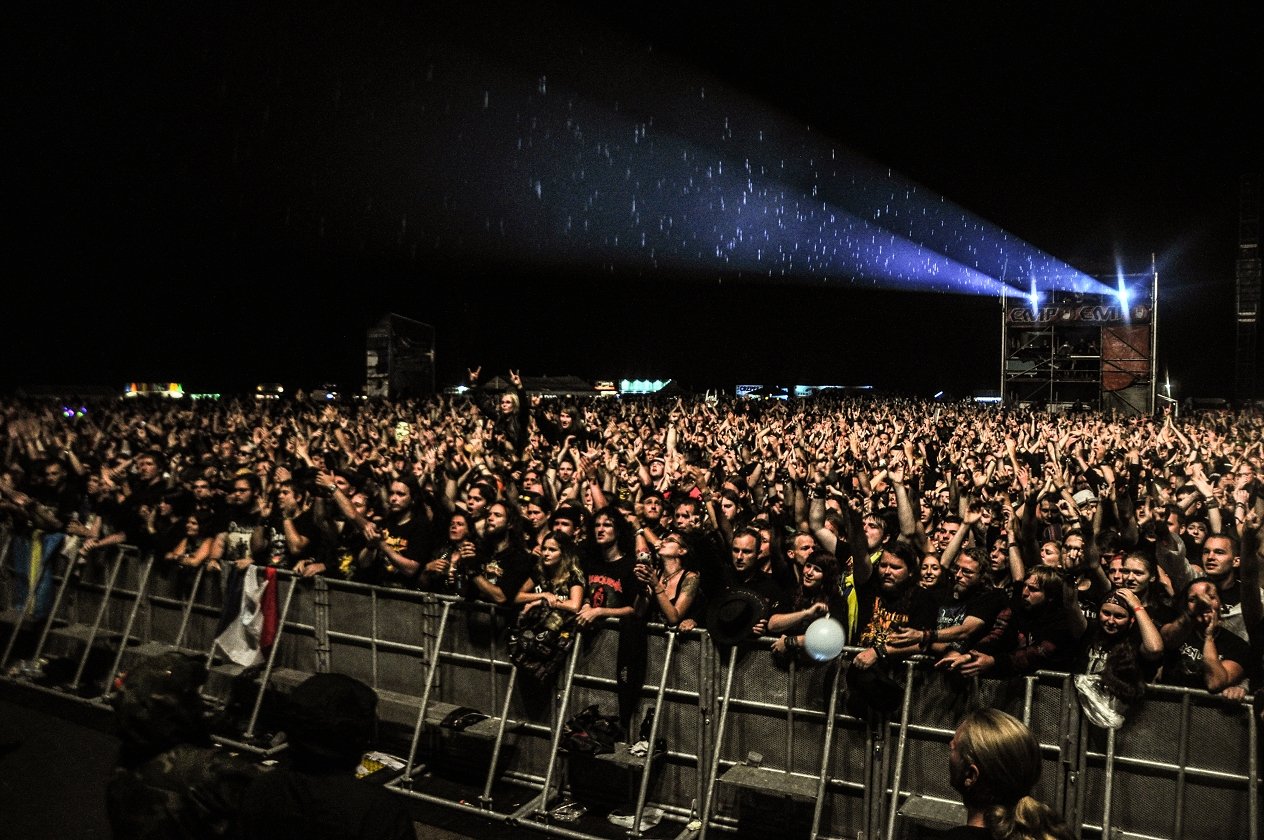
994,762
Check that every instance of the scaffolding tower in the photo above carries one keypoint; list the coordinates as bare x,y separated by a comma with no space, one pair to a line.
1248,283
1079,349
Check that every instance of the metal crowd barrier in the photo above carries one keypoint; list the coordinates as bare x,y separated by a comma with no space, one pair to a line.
747,740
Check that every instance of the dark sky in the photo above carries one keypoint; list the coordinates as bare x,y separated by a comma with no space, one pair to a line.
231,194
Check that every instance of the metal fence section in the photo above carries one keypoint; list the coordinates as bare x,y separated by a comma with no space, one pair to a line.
749,744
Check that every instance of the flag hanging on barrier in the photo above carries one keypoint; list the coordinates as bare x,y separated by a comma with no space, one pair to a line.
248,635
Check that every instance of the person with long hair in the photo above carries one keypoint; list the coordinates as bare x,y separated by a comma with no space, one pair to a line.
673,586
194,547
557,580
935,576
444,573
819,595
1138,572
1032,633
994,762
1120,653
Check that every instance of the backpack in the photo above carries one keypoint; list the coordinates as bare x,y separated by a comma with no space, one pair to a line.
591,733
540,640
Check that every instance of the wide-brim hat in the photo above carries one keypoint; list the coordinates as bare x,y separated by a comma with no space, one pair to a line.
732,615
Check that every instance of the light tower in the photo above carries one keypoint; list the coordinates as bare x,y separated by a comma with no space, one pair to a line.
1248,279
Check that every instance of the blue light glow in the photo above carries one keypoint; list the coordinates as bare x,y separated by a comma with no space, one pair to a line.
662,172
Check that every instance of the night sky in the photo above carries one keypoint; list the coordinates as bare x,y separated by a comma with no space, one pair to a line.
723,193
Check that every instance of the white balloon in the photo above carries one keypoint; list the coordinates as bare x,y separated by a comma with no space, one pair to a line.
825,639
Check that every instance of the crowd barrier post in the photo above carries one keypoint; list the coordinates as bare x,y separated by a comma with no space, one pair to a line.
320,615
1066,732
485,798
1182,756
18,616
648,764
94,629
58,600
187,611
901,743
539,805
409,767
141,586
882,772
713,767
249,734
1108,783
818,807
1252,774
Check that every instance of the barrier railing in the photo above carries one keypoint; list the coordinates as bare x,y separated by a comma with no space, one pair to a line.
746,739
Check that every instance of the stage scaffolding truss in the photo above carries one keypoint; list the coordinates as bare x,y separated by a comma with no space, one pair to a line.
1078,349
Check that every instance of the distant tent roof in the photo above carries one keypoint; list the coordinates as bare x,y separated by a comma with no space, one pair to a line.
672,389
560,385
570,385
496,383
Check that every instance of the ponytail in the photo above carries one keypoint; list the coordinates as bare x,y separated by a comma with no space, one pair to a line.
1028,819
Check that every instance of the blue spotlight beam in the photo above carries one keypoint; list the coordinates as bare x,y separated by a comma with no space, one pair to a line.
687,175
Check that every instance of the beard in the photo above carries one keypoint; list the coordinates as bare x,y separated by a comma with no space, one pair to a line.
892,587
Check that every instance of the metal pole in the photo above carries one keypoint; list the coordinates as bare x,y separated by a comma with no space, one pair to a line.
556,740
899,750
1253,774
27,605
790,687
127,627
1154,328
1182,757
1029,690
1004,343
718,746
373,636
96,624
491,655
643,791
267,669
819,806
52,614
486,797
188,607
1108,785
425,691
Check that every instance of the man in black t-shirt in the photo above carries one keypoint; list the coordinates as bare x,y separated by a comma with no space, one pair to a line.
612,587
399,546
890,602
1031,633
968,614
504,563
747,572
1201,651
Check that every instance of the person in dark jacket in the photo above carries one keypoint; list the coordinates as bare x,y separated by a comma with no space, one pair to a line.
169,782
331,721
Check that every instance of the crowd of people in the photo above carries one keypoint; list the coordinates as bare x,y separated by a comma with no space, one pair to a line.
994,540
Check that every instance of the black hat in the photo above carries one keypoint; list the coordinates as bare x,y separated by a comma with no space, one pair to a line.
732,615
332,716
